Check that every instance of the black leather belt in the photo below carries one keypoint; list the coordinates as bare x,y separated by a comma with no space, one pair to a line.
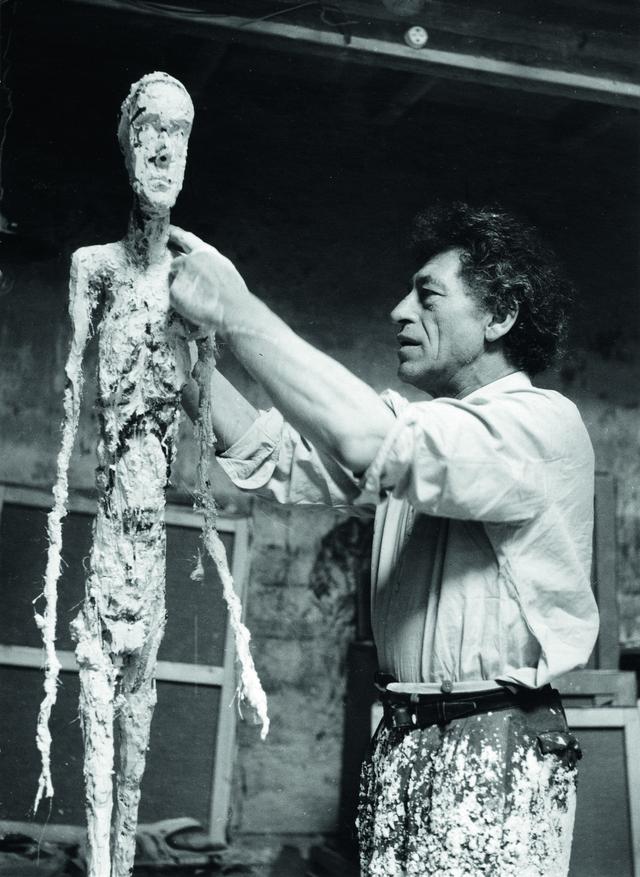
422,710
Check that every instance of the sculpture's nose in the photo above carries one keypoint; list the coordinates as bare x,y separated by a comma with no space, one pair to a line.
162,158
163,151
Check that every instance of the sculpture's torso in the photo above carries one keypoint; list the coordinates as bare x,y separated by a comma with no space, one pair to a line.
143,363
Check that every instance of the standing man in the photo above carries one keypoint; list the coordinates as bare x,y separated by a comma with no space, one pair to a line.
483,501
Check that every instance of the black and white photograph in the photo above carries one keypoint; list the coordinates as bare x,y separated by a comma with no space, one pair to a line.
319,438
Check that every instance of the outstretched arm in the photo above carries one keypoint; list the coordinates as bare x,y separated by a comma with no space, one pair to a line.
318,396
231,416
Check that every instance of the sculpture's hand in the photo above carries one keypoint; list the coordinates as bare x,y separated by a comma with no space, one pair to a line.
205,286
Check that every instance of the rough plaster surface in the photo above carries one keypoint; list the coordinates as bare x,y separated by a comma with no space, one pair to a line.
143,364
249,689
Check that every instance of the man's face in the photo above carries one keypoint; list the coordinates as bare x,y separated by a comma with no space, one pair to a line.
442,329
157,149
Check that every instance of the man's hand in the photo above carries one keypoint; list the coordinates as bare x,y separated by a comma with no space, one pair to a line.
317,395
205,286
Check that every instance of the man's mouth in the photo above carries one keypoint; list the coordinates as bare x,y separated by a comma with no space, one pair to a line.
405,341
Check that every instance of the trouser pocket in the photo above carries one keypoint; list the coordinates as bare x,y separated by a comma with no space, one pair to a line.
563,744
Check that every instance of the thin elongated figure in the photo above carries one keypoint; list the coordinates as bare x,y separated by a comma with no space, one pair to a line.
143,364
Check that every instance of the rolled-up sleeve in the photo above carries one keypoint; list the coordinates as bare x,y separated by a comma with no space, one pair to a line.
468,460
275,462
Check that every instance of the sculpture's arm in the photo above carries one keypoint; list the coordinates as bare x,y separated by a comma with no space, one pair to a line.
249,687
82,300
231,416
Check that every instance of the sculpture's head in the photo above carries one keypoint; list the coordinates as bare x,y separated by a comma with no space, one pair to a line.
153,131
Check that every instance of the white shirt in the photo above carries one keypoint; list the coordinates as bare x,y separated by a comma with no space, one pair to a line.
483,529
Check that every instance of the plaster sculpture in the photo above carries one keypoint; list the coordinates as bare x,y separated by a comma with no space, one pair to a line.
143,364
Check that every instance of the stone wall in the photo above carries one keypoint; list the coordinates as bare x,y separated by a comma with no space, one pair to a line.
301,614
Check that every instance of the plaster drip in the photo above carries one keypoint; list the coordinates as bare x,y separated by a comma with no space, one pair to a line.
249,686
80,309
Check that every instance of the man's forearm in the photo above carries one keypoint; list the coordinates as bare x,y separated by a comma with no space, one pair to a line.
321,398
231,414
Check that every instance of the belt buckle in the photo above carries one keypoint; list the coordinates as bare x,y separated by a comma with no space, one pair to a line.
403,715
456,710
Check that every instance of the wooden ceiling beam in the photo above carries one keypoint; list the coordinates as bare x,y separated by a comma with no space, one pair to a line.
600,7
395,55
578,41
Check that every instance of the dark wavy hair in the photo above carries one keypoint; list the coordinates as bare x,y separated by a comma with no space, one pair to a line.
505,263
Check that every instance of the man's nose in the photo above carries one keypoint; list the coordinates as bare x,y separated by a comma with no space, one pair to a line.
404,311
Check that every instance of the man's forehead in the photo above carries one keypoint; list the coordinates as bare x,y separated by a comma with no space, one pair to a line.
440,269
424,276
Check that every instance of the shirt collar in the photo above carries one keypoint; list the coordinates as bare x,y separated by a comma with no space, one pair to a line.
513,381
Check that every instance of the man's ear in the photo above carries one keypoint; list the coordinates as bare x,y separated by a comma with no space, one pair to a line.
500,324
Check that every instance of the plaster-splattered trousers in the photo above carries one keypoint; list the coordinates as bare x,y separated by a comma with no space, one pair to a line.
489,794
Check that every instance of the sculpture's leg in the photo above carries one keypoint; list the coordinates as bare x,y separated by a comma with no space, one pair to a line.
133,618
134,710
97,684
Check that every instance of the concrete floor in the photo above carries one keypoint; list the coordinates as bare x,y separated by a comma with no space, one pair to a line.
251,855
290,856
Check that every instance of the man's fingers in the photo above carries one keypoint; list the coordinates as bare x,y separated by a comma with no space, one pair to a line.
173,268
184,240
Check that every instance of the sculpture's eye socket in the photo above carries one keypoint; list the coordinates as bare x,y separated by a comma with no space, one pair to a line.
148,130
145,130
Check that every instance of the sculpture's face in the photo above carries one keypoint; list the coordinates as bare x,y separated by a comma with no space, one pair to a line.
156,152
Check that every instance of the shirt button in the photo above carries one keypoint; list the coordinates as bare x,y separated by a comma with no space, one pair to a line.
447,686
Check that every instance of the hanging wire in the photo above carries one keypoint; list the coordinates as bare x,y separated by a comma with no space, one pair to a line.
331,14
285,11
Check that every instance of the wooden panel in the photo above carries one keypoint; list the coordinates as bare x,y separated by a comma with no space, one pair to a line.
597,688
20,696
23,547
196,612
607,652
180,762
167,671
607,829
192,743
596,852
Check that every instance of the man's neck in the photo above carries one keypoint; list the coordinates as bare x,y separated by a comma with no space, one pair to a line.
472,386
478,374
